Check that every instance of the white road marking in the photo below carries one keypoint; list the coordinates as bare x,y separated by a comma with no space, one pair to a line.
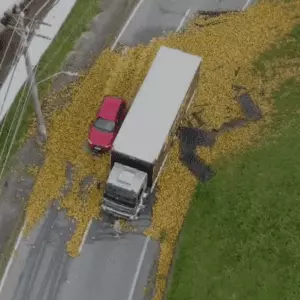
183,20
159,172
127,23
143,253
246,5
138,268
12,256
85,236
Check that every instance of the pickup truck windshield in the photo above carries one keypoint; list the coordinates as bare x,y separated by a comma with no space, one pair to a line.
121,195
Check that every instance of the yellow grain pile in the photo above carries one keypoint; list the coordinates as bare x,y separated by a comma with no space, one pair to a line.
232,43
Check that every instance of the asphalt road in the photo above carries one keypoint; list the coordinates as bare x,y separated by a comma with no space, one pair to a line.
154,18
105,270
109,267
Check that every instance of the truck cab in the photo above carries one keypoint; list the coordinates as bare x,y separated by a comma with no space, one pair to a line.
125,191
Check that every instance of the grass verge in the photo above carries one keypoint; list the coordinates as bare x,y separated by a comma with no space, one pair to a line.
241,238
50,63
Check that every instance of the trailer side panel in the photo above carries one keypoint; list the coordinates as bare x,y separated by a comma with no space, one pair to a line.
150,119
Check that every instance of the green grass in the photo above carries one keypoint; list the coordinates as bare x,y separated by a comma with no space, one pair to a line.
50,63
241,238
286,49
75,25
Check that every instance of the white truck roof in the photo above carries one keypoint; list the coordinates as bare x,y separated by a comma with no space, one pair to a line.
152,114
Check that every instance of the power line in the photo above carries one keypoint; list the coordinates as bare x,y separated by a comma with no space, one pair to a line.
25,33
3,122
62,44
32,85
11,127
34,90
21,46
6,49
15,59
55,54
74,29
14,31
30,78
45,67
16,130
15,62
40,10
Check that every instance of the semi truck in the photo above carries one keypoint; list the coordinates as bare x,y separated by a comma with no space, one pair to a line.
141,147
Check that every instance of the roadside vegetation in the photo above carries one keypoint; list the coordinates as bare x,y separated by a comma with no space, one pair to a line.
50,63
240,239
227,43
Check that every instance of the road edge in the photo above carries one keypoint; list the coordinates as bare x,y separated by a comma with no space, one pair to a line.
18,238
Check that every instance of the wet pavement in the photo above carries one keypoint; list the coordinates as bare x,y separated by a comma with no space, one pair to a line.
110,266
41,262
154,18
105,270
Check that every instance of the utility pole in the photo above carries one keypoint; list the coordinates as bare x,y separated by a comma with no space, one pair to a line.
17,17
24,33
32,82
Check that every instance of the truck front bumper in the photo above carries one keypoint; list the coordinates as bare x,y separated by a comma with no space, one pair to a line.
117,213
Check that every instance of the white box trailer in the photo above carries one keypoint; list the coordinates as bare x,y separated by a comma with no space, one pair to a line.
141,146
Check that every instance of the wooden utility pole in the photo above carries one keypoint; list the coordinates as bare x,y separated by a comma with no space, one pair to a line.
32,82
22,30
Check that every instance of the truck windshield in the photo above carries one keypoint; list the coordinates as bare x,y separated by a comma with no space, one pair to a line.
121,195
